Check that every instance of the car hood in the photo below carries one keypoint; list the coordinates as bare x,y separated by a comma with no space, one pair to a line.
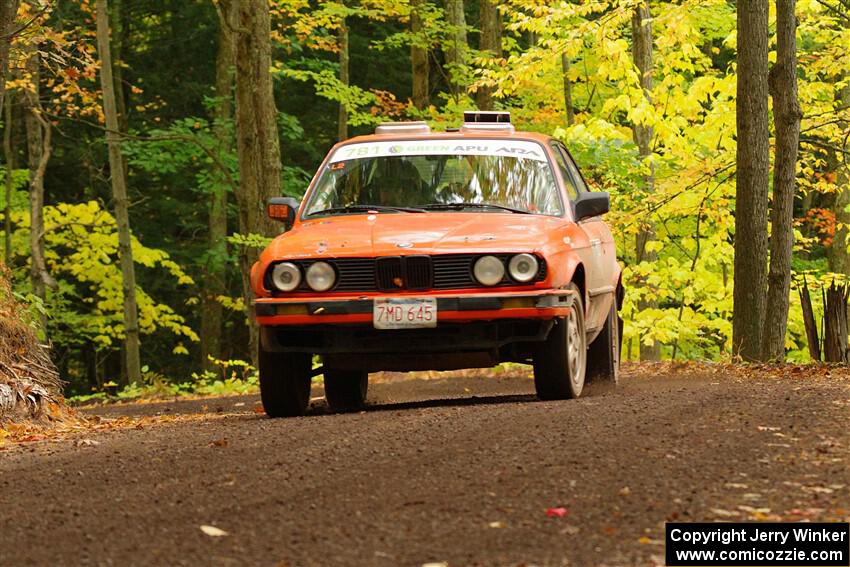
425,233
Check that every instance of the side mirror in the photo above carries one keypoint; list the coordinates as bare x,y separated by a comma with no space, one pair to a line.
592,205
283,209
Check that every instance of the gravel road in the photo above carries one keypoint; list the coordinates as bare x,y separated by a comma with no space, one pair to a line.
431,473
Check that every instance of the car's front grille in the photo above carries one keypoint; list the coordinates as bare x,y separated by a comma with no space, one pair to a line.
397,273
454,271
419,273
393,273
353,274
389,274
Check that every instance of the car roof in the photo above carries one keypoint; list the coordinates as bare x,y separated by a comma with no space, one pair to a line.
451,135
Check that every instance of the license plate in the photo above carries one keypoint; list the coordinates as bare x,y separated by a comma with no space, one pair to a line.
404,313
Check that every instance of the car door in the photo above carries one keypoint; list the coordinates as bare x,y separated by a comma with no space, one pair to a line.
599,256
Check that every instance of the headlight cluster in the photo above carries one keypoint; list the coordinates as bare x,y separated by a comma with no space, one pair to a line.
286,276
489,270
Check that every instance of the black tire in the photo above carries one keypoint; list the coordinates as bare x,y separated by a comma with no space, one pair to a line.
603,356
345,390
285,382
560,362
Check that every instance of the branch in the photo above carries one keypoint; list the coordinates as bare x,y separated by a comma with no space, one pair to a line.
224,20
835,10
170,138
830,111
694,185
61,225
824,145
821,125
34,107
183,138
12,35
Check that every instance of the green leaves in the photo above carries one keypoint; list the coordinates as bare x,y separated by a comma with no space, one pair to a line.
81,251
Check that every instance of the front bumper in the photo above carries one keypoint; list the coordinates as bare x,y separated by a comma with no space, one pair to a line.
456,308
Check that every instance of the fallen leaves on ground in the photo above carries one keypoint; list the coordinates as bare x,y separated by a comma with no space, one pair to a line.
556,512
80,429
735,370
213,531
73,425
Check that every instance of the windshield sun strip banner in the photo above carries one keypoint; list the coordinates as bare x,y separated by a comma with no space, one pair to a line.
462,147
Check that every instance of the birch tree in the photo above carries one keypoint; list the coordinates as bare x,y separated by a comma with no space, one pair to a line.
119,196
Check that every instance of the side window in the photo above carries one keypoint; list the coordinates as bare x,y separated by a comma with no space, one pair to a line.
578,180
562,161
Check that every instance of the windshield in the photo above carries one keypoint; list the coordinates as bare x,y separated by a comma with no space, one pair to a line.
445,175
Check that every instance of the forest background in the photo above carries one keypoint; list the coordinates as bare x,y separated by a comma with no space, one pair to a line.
643,93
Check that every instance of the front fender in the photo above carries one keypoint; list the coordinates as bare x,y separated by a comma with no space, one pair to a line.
256,279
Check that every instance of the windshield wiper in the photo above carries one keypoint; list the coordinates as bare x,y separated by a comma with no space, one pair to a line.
364,208
460,206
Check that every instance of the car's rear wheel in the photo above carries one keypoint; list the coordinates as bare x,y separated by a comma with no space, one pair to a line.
560,362
285,382
603,356
345,390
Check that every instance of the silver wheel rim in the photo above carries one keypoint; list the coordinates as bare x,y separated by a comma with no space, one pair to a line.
575,356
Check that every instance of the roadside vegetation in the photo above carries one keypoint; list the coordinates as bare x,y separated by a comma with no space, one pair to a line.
141,138
30,386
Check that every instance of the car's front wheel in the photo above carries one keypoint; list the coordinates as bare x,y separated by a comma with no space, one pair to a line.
345,390
285,379
560,362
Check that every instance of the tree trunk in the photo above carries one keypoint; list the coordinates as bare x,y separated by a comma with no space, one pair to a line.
116,45
838,254
215,282
119,195
9,156
35,141
8,12
786,115
457,47
753,169
419,57
568,89
491,41
342,124
643,135
39,148
835,324
810,322
257,138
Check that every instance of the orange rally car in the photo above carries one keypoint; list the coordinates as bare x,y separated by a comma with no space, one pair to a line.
420,250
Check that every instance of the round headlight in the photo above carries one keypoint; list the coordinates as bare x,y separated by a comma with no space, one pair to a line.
321,276
489,270
286,276
523,267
